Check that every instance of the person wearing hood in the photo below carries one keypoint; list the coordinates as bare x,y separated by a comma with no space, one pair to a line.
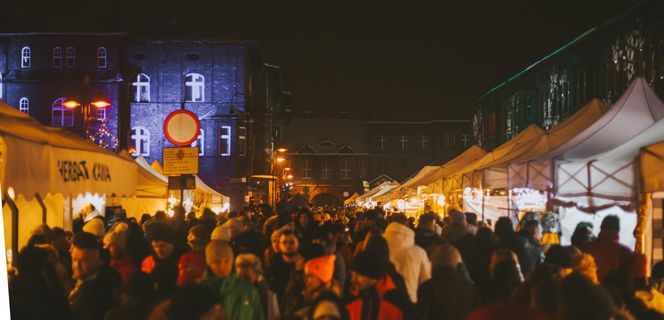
609,254
410,260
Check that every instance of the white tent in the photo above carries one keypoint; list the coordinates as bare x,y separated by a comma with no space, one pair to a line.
534,168
55,165
151,191
379,189
409,186
598,175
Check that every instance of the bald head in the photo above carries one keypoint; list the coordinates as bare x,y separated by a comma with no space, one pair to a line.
219,257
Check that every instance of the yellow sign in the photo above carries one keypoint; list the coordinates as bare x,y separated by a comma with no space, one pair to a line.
179,161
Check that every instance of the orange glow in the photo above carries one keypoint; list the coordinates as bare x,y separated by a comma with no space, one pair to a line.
282,149
71,104
290,176
100,104
281,159
287,169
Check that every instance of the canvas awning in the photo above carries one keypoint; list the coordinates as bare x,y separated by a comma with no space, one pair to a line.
40,159
151,183
469,176
652,167
385,186
409,185
534,168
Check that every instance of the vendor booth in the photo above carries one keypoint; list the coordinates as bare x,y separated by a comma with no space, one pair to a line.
652,200
43,170
151,191
598,175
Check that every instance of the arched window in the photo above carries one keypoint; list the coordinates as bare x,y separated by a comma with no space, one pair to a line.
200,143
25,57
102,57
71,57
60,115
194,87
141,138
57,57
24,105
142,88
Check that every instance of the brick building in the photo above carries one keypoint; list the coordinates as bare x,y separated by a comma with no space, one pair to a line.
228,84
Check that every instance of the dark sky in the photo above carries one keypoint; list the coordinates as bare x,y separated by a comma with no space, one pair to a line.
400,57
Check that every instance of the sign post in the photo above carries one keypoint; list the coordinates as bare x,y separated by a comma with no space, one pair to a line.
181,128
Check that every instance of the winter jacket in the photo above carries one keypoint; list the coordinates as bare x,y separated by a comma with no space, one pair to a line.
447,295
124,267
164,274
382,301
238,297
410,260
91,299
190,268
278,274
609,254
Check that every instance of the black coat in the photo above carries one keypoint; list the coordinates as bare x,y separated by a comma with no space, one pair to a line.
447,295
95,297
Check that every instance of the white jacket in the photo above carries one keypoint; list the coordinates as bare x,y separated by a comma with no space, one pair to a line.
410,260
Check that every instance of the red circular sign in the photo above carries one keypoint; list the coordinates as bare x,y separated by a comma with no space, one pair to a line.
182,127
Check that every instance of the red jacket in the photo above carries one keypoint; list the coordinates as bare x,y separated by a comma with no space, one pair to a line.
124,267
391,304
609,254
190,268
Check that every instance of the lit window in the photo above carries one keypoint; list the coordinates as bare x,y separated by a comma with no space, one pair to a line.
225,141
200,143
242,141
25,57
424,142
142,88
382,140
57,57
24,105
101,114
60,115
71,57
141,137
102,57
345,169
306,169
325,170
195,87
465,139
404,142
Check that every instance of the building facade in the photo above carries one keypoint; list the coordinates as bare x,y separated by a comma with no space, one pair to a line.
40,71
600,63
227,84
332,158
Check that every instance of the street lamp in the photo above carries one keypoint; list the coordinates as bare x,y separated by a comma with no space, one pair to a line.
99,104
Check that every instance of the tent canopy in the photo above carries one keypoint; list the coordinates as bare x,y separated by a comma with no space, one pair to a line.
533,168
652,167
385,186
151,183
40,159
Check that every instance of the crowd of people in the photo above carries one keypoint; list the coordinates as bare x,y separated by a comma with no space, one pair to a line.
304,263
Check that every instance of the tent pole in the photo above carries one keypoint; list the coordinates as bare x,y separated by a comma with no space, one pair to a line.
43,207
12,206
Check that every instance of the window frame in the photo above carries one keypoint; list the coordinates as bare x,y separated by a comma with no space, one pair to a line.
138,84
325,170
102,55
70,56
306,169
144,133
26,57
403,139
58,107
192,85
226,137
200,142
24,105
346,169
242,141
57,57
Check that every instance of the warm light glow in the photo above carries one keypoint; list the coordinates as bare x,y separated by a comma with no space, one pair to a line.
170,212
281,159
287,169
11,193
225,207
172,200
282,150
290,176
70,104
100,104
441,200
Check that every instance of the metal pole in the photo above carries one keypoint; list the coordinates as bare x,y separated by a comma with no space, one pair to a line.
14,209
43,207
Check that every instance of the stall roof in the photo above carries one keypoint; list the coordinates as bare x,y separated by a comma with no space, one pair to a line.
41,159
652,162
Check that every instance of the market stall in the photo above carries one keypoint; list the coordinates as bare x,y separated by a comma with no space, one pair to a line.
151,191
47,168
597,177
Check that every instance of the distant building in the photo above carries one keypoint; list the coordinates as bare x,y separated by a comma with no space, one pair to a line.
600,63
227,84
333,157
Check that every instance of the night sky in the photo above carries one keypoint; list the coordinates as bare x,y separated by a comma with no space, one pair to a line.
377,57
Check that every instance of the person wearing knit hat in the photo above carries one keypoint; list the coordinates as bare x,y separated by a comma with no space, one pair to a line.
115,241
222,233
318,275
235,225
95,227
162,264
374,289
